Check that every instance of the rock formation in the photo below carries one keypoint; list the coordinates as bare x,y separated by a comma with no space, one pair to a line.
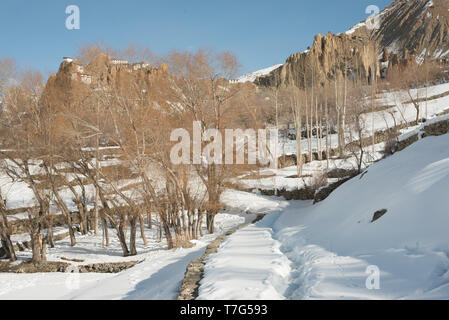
415,27
407,31
102,72
329,57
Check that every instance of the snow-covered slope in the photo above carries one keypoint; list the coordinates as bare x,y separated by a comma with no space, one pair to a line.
337,241
333,244
251,77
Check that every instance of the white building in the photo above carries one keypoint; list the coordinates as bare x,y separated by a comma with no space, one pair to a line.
116,61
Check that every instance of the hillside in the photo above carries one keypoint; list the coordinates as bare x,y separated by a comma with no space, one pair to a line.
418,27
330,245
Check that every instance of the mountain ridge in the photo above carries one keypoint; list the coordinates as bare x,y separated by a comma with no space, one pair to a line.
406,31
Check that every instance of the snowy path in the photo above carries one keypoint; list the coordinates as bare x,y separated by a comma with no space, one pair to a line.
248,265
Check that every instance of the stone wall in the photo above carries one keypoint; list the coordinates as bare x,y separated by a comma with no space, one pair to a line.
436,129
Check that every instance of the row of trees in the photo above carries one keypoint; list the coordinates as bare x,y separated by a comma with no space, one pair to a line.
55,139
343,106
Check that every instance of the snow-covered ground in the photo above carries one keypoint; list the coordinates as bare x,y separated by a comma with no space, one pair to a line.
334,249
299,250
158,276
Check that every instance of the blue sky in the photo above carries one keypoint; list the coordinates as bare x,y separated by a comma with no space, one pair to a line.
261,33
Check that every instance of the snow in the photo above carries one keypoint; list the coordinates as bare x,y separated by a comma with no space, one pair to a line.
249,266
17,193
251,77
158,276
332,245
356,27
44,286
249,202
408,244
421,57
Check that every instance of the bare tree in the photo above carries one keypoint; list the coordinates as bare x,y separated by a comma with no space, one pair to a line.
203,89
5,231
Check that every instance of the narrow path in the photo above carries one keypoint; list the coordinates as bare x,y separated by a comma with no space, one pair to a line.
195,270
248,265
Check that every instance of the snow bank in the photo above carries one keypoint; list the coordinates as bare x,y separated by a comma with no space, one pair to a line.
332,243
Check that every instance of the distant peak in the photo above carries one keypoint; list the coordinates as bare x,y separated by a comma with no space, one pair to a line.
251,77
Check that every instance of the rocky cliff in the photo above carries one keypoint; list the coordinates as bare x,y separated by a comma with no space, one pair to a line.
414,27
329,57
407,31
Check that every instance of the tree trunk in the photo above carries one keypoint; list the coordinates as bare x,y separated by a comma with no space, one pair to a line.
142,229
104,224
210,219
122,237
168,235
317,132
36,248
83,218
50,234
5,235
296,108
159,232
44,250
150,222
9,248
96,213
71,233
327,134
65,211
132,235
343,116
103,217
